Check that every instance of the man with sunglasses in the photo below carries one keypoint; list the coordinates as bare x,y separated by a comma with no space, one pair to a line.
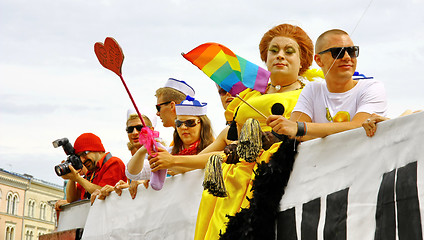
339,103
174,92
103,168
133,129
134,126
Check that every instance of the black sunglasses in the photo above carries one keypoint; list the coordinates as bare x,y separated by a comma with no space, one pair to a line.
339,52
130,129
222,92
187,123
158,106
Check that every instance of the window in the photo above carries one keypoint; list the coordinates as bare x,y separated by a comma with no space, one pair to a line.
29,235
10,232
43,211
12,203
15,202
9,203
31,206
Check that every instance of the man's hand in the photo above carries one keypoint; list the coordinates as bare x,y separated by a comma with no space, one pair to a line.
102,193
94,196
370,125
119,186
134,187
282,125
73,175
59,203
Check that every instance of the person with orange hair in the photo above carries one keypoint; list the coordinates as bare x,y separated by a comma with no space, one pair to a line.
287,52
288,61
295,33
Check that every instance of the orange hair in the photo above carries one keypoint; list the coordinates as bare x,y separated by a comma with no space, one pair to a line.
294,32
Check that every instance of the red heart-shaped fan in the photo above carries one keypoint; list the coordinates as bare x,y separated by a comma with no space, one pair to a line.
110,55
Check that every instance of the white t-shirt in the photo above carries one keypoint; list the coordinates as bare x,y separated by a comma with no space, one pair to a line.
322,106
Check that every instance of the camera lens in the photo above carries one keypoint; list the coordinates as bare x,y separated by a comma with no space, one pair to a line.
62,169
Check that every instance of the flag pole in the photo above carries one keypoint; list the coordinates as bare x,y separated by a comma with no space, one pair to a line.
132,100
263,115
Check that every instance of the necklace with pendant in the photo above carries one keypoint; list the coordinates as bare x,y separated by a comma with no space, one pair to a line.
278,87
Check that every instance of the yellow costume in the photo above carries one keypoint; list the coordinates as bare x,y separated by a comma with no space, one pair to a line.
238,177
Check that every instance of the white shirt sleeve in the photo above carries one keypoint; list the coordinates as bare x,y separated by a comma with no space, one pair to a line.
373,99
144,174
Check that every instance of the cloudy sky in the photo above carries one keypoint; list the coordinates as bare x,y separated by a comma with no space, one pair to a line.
52,85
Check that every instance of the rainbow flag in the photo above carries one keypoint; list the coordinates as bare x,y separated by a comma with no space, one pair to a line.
231,72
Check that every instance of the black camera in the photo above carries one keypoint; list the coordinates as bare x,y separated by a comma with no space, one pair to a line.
73,159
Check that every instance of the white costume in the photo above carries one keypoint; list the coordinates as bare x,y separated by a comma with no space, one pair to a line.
322,106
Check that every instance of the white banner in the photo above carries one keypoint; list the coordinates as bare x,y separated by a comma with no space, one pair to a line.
344,186
166,214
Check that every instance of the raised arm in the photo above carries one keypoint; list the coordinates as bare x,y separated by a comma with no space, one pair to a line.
72,193
135,165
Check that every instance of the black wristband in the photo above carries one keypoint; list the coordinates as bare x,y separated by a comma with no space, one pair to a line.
301,129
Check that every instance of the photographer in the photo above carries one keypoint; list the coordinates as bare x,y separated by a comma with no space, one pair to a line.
102,168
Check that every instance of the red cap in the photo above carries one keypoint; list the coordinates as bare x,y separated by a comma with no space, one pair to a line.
88,142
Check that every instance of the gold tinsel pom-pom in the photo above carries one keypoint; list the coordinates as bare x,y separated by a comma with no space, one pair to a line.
250,140
213,181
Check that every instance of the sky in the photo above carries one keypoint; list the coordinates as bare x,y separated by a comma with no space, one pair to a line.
52,85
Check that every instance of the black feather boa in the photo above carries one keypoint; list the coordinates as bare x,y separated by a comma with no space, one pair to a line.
258,221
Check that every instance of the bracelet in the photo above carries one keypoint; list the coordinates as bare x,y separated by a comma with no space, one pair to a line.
301,129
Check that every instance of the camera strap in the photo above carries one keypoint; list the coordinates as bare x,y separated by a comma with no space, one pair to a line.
87,195
108,156
93,175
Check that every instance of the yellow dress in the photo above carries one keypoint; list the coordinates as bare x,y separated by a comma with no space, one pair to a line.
238,178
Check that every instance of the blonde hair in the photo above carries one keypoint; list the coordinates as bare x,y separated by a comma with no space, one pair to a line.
145,118
170,94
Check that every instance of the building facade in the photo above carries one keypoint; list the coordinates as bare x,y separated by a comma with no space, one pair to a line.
26,206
